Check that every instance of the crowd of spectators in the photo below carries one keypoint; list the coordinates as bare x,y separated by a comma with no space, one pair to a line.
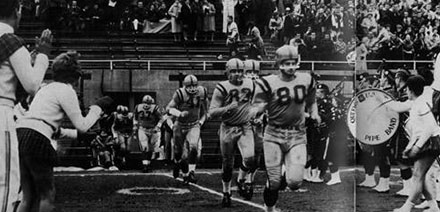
97,15
322,29
398,29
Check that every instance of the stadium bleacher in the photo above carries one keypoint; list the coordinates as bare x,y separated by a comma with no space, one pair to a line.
104,46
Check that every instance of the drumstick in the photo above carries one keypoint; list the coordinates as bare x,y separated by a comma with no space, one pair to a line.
379,106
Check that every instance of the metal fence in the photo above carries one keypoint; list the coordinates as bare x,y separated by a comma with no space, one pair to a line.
150,65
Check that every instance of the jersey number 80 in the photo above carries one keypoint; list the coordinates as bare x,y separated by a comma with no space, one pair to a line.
284,96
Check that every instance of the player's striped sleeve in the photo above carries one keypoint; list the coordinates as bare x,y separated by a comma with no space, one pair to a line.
222,89
264,85
179,96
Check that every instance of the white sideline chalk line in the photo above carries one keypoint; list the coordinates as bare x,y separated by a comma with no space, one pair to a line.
221,195
116,173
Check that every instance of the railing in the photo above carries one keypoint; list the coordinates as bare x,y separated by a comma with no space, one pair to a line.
410,64
148,65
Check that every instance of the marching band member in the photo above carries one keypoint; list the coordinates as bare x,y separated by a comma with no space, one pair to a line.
401,139
317,136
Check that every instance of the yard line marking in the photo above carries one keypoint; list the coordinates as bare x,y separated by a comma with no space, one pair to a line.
87,174
221,195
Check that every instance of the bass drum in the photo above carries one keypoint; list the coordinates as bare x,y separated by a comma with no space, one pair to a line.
369,120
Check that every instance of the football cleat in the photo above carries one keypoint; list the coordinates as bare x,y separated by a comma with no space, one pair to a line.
248,191
192,177
271,209
226,202
240,187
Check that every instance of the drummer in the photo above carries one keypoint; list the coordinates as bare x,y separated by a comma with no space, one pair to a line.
401,139
379,154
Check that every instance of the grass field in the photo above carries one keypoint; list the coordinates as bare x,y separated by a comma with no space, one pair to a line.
159,191
130,191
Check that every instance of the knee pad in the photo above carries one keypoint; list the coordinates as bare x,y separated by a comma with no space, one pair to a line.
270,197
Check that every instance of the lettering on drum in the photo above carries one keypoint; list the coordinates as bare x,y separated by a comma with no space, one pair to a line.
392,126
372,137
369,120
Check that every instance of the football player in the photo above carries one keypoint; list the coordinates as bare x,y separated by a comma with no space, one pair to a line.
147,121
122,130
189,105
252,71
231,101
285,96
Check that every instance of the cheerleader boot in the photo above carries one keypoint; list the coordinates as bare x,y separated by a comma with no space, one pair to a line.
383,186
315,176
405,189
307,177
335,179
369,181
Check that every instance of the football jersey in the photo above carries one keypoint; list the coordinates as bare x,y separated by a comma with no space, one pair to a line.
191,103
123,124
286,100
235,93
147,115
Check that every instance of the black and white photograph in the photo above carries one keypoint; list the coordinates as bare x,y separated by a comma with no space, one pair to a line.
219,105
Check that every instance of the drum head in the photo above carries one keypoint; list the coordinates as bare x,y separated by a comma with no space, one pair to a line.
369,120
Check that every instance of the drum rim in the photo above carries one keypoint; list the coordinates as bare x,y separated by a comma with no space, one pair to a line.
348,109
